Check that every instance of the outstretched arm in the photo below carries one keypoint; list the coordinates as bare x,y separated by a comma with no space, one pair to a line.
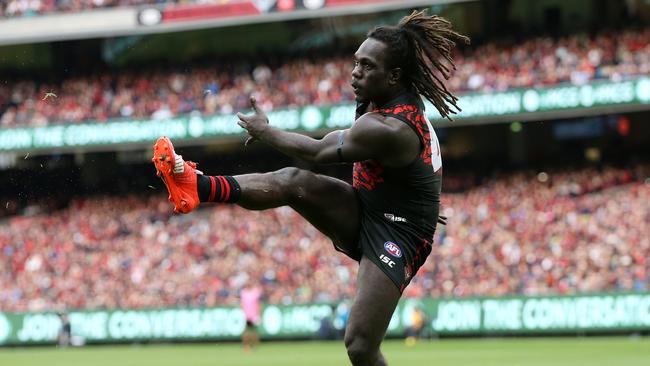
369,138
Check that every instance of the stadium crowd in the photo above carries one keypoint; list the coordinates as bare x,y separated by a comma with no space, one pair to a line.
557,233
524,233
160,94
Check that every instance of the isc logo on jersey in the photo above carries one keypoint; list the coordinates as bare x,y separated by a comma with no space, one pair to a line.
393,249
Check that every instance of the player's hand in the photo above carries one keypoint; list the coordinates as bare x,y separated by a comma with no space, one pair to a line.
255,124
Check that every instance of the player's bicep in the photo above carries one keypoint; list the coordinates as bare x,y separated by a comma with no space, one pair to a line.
330,147
342,146
367,139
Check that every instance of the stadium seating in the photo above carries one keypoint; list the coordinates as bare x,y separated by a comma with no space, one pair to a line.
525,233
495,66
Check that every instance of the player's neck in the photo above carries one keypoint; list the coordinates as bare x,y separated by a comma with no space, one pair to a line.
379,102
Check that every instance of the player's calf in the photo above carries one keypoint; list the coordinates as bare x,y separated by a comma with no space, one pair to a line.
362,351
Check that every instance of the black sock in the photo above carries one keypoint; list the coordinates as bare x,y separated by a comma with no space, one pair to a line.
203,187
219,188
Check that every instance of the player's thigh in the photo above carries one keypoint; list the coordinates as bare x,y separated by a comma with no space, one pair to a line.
373,306
329,204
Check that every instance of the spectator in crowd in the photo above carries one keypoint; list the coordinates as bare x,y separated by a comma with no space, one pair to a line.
579,231
162,94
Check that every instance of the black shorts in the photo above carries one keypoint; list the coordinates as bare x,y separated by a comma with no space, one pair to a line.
396,251
393,247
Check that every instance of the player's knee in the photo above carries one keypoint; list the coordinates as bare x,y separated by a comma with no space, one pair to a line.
288,174
360,350
293,180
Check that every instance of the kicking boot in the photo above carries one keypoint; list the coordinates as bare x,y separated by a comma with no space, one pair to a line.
179,176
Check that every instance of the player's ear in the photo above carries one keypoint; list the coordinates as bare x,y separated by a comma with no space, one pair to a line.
395,76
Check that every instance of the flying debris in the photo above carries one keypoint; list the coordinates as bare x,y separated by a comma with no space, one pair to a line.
49,95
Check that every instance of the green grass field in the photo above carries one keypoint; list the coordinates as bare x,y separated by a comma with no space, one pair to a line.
466,352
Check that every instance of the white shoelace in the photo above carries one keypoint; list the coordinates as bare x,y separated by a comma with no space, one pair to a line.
179,165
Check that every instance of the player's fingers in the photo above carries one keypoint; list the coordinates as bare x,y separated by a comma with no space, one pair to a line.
242,116
242,125
254,105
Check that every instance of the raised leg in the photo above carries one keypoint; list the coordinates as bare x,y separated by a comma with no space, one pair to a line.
327,203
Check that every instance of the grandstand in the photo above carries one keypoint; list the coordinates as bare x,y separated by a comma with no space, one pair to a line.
546,186
159,94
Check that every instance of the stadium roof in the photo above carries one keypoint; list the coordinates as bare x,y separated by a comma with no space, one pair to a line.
171,18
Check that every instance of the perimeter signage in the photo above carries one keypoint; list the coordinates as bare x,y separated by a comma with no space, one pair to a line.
481,105
512,315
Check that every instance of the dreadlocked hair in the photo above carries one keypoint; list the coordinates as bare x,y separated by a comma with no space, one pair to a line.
421,46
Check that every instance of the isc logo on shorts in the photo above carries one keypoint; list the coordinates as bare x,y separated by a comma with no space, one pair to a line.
384,258
393,249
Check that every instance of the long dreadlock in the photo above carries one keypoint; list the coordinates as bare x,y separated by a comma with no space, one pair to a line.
420,45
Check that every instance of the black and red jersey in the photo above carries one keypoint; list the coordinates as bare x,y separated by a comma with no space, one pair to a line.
409,196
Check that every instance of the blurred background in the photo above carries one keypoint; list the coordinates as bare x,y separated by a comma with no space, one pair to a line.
546,186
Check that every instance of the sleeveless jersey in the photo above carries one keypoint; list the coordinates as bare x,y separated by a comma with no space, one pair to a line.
408,196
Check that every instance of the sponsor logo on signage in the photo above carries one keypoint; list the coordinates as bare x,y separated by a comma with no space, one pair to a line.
313,4
149,16
264,5
5,328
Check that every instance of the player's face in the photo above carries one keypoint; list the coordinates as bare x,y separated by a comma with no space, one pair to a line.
369,75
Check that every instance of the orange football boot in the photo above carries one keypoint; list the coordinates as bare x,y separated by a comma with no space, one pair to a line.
179,176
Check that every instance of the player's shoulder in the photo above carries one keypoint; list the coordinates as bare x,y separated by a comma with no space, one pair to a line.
378,125
379,120
383,130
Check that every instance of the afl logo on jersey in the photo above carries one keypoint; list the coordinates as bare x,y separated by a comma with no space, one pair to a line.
393,249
